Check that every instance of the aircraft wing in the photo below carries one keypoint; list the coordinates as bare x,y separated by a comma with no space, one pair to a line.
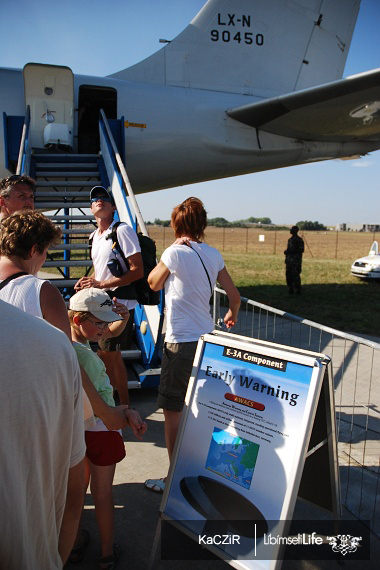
341,111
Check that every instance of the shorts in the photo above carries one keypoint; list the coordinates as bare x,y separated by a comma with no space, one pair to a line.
177,364
104,447
121,342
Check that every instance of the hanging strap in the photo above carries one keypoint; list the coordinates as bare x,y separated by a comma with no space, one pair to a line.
204,267
11,277
115,243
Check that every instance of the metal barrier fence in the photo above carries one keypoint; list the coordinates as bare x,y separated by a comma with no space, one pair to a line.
356,366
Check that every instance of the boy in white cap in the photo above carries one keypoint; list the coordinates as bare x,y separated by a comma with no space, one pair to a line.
93,315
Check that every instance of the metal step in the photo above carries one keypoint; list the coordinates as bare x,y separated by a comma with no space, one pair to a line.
67,174
69,231
69,246
47,156
151,372
67,165
79,194
131,354
59,205
60,282
63,282
133,385
60,218
63,263
67,183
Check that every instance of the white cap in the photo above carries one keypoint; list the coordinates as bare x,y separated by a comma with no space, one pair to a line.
95,301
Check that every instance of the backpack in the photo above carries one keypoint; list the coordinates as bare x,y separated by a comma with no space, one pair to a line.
137,290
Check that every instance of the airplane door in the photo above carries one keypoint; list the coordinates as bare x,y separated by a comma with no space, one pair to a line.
49,91
91,99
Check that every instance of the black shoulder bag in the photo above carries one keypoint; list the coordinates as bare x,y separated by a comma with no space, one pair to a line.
11,277
204,267
137,290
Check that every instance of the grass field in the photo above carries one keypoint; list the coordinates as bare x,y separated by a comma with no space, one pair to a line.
330,295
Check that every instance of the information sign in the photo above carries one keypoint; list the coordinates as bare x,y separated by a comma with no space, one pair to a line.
243,442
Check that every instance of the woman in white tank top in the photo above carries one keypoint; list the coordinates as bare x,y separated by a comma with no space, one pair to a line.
24,240
25,237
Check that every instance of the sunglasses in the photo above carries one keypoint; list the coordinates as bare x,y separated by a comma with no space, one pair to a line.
102,198
101,325
13,178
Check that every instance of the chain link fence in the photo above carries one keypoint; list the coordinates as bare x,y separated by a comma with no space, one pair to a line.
356,366
318,244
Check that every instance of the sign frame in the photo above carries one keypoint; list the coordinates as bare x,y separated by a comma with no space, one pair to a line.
317,437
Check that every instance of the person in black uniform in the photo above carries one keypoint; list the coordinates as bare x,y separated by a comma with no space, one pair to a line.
293,261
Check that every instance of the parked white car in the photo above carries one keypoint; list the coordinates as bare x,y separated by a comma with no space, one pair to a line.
368,267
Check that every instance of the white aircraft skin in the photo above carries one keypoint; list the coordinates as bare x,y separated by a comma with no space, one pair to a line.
202,97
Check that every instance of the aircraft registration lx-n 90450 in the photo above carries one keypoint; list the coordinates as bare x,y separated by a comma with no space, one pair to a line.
249,85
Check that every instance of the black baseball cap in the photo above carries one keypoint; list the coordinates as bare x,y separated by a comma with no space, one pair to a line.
98,191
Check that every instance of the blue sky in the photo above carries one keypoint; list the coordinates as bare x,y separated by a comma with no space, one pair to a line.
96,37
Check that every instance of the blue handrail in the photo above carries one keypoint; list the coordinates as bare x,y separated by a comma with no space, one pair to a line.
120,169
128,211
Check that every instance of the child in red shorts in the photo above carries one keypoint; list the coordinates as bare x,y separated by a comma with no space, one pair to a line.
93,316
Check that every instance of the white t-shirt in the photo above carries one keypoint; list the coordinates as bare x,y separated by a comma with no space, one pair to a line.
101,253
188,292
24,292
41,437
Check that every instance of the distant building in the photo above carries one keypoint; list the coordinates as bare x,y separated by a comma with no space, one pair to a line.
358,228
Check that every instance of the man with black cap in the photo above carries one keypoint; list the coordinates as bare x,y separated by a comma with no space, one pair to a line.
111,273
293,260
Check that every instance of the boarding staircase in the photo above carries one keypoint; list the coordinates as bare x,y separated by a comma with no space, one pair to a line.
63,184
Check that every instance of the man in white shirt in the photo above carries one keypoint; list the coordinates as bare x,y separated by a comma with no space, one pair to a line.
102,251
42,443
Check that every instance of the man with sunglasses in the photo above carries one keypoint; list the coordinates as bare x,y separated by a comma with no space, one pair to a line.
16,193
103,208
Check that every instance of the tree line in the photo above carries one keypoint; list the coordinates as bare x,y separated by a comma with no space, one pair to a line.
221,222
312,226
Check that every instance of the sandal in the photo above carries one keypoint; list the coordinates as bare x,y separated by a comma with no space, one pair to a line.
109,562
78,550
155,485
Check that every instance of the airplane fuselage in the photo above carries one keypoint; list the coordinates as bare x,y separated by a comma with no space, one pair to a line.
176,135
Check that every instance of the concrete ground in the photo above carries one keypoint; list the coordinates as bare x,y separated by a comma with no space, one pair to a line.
357,389
136,508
